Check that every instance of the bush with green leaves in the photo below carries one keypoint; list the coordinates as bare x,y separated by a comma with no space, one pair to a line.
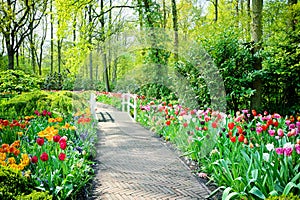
281,59
36,195
67,81
26,103
290,196
16,81
157,91
13,185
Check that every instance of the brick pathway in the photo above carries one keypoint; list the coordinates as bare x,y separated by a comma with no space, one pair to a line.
135,164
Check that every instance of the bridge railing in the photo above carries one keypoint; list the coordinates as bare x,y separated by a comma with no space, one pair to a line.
93,105
126,103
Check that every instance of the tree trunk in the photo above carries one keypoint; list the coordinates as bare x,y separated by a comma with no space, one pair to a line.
17,59
32,43
105,70
10,54
175,28
165,13
59,41
140,13
216,10
109,41
257,6
90,42
291,22
40,57
115,65
74,29
237,9
248,8
106,78
52,37
97,65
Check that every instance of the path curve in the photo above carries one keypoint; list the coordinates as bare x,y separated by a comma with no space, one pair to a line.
135,164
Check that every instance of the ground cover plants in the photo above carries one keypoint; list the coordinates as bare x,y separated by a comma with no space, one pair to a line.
248,155
49,151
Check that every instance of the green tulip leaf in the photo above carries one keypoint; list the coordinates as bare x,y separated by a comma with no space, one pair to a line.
232,194
288,187
273,193
226,193
255,191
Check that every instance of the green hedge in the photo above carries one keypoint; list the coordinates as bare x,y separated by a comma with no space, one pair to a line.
15,186
16,81
27,102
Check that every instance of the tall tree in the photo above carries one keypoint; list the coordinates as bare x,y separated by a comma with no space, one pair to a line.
104,58
16,23
90,42
175,28
256,34
51,37
140,11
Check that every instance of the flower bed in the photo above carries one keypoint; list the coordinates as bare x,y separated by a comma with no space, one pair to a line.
248,155
52,151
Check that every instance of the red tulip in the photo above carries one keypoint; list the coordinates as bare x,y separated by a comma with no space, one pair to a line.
34,159
230,125
5,122
168,123
240,130
264,127
63,145
269,122
214,124
56,138
62,156
233,139
44,157
40,141
254,113
241,138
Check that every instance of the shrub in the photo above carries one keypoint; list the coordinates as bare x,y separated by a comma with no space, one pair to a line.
12,183
284,197
15,186
16,81
67,81
35,195
27,103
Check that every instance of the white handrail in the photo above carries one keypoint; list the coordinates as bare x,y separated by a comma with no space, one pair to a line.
126,101
93,105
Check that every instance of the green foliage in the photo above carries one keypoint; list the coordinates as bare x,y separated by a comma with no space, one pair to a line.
63,178
54,81
198,84
157,91
241,161
16,81
110,100
234,60
290,196
27,103
12,183
65,81
36,196
282,55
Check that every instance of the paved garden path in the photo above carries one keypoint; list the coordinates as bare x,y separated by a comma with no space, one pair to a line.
135,164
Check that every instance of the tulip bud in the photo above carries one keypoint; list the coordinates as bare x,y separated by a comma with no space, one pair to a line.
251,145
